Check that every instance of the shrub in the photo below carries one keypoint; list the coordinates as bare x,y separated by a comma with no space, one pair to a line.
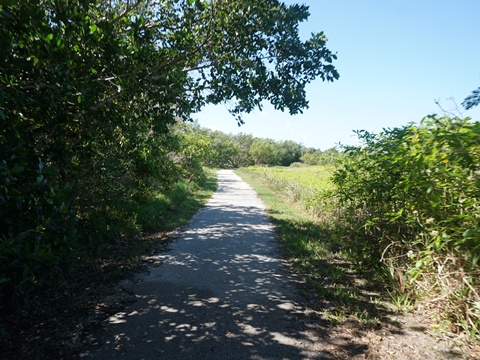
412,198
36,226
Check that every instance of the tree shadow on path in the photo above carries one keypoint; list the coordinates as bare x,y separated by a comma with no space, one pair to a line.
221,292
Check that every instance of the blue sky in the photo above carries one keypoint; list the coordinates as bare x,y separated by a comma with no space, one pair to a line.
395,59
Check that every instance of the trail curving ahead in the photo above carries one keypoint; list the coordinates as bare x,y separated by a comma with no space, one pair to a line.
221,292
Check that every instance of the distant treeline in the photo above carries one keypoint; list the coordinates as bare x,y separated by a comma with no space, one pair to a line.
233,151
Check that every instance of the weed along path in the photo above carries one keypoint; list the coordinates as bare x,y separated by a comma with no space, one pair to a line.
220,292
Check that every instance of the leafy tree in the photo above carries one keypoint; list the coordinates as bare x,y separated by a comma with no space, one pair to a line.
264,152
289,152
410,198
224,149
310,158
243,142
317,157
89,90
194,150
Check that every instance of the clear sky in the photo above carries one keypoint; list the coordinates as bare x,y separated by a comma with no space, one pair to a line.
395,59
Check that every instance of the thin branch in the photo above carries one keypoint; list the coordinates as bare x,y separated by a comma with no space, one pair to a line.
127,10
449,112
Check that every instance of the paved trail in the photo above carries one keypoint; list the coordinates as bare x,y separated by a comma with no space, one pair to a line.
221,292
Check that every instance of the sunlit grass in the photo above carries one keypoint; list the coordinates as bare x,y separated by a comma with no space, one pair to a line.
317,177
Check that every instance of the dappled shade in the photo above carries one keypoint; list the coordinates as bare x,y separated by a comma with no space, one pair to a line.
221,292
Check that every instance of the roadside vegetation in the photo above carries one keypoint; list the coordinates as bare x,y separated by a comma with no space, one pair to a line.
402,209
50,322
410,201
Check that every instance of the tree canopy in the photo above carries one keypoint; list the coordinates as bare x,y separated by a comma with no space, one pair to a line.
89,90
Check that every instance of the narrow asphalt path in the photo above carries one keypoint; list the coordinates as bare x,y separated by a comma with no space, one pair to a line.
221,292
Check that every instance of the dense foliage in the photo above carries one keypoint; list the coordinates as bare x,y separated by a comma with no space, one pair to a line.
410,199
472,100
90,94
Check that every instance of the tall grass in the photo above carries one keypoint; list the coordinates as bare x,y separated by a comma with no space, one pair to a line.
308,186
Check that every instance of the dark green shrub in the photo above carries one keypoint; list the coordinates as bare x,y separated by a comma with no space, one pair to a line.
411,199
36,224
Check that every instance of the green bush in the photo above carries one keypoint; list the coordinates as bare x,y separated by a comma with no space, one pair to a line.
37,228
411,197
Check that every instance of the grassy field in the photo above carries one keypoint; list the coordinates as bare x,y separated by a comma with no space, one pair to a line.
308,187
316,177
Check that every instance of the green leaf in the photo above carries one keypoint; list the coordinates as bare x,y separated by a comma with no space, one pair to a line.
93,28
63,209
200,5
40,180
8,2
17,170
